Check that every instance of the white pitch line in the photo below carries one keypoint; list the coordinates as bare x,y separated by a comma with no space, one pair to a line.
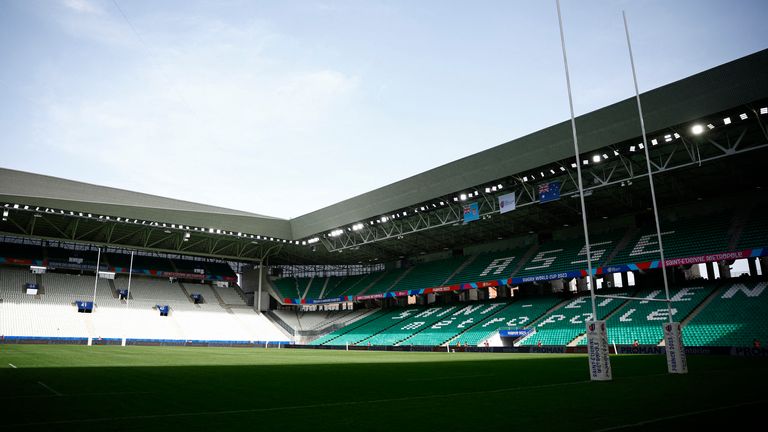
50,389
11,365
681,415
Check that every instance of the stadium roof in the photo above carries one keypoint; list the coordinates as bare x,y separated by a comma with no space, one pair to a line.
165,221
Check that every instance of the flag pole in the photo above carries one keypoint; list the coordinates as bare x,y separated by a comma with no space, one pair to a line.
128,298
590,278
650,172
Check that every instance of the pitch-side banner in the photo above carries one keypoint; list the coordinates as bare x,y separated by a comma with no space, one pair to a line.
507,203
597,349
673,341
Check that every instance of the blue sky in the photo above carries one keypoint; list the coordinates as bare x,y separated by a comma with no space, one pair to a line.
281,108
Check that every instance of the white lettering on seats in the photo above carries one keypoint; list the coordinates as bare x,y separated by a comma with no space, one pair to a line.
465,322
414,325
552,319
576,304
518,321
754,292
596,253
646,241
498,265
684,294
492,321
540,258
652,295
467,310
660,315
625,317
587,317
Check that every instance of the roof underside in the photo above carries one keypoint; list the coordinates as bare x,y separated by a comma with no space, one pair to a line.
735,85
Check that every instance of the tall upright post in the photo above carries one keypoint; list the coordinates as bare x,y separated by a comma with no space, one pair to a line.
673,340
650,172
258,298
128,298
597,345
96,282
578,167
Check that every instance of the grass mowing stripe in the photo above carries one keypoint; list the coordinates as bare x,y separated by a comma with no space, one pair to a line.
298,407
682,415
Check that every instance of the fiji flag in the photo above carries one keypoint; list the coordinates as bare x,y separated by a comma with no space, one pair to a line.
549,191
471,212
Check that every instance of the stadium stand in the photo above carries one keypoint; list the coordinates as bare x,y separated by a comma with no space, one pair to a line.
516,315
736,315
429,274
53,314
488,266
454,323
642,320
566,323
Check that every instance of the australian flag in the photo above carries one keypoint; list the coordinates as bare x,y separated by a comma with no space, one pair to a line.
549,191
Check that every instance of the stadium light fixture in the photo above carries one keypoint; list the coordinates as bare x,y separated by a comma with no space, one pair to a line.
405,213
477,193
16,206
494,188
335,233
596,158
562,168
632,148
743,116
500,186
727,120
642,146
552,171
697,129
605,156
463,197
5,213
585,162
764,110
667,138
357,227
710,126
573,165
525,178
487,190
676,135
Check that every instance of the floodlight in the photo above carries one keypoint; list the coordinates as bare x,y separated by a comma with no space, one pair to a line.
697,129
596,158
676,135
525,178
552,171
667,138
573,165
710,126
487,190
5,213
653,142
562,168
585,162
500,186
727,120
605,156
632,148
764,110
463,197
743,116
641,145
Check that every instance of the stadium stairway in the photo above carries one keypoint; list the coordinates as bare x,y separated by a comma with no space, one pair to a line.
112,288
186,293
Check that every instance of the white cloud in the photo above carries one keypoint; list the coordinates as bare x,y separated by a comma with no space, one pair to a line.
83,6
209,120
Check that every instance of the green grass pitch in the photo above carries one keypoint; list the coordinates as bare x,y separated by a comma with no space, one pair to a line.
113,388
